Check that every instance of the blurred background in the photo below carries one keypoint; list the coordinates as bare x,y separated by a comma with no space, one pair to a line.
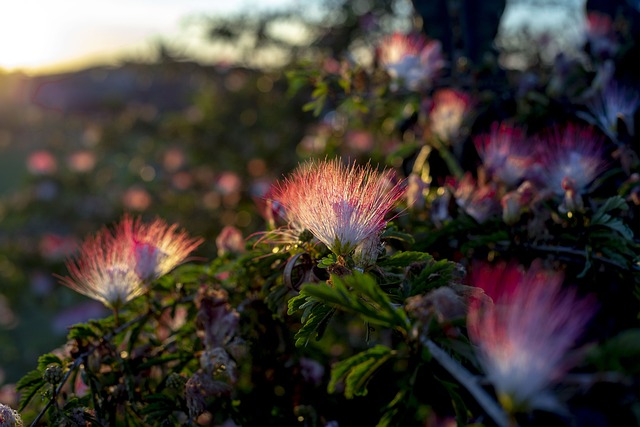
182,109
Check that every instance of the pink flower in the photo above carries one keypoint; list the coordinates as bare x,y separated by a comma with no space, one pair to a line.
524,336
42,162
9,417
157,247
105,270
447,113
230,240
613,103
411,60
136,198
571,157
600,34
81,161
477,199
505,154
113,267
341,205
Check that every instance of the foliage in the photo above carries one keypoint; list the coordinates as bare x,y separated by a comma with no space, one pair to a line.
271,328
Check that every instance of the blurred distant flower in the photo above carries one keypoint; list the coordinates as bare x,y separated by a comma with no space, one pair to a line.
600,34
157,247
55,247
82,161
228,182
46,190
311,370
105,270
9,417
360,141
173,159
514,203
7,317
42,162
182,180
8,393
571,157
448,110
416,190
523,337
341,205
613,103
505,154
477,199
136,198
411,60
230,240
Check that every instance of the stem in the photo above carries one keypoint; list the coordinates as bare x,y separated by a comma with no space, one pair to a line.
468,381
451,162
580,253
86,354
420,166
57,390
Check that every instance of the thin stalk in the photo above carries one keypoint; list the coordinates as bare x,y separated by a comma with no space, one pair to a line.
76,364
451,162
469,382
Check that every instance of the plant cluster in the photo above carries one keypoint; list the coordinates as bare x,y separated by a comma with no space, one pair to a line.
445,253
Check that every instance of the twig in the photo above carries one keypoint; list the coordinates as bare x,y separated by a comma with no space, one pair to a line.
469,382
58,389
84,355
580,253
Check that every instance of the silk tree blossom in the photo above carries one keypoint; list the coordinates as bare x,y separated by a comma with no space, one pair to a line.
571,157
157,247
477,199
341,205
505,154
9,417
614,102
600,34
284,228
523,338
105,270
448,110
411,60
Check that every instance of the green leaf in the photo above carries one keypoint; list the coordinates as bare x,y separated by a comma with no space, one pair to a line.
158,405
392,233
621,353
160,360
82,331
359,293
28,386
485,240
356,371
435,274
457,401
404,259
48,359
315,318
393,409
603,218
327,261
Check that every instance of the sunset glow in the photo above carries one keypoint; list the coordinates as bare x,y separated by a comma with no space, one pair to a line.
38,36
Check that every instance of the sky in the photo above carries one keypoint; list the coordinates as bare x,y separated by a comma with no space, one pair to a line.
43,36
54,35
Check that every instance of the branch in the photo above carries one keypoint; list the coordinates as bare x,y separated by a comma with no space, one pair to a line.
468,381
84,355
